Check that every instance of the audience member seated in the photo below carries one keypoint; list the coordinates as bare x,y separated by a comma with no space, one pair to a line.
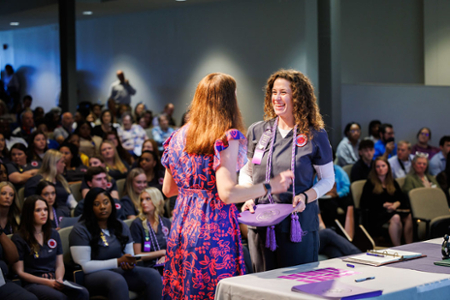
338,196
168,112
401,163
27,100
111,186
149,162
37,146
96,177
8,256
423,137
105,126
61,133
53,118
135,184
151,145
437,163
75,140
3,172
52,170
20,169
142,121
419,176
332,244
47,191
41,265
38,115
9,208
162,132
5,129
113,137
385,202
27,125
374,131
131,135
97,112
74,170
51,143
116,168
139,110
89,145
103,246
443,179
361,168
150,229
4,153
347,150
385,146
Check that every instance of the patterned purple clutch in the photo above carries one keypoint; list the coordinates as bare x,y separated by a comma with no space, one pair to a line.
266,215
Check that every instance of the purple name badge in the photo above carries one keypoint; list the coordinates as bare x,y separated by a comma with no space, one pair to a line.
147,246
259,151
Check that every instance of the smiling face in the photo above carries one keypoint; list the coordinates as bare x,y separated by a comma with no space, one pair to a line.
146,203
40,213
49,194
139,183
282,98
6,196
102,207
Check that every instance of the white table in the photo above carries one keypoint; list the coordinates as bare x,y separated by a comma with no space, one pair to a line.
396,283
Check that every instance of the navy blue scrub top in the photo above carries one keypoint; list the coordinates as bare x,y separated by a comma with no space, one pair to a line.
128,206
80,236
46,261
317,151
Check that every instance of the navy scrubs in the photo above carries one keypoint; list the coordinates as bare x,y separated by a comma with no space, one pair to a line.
12,168
115,283
317,151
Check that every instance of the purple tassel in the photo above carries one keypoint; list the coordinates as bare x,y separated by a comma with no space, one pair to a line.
271,242
296,229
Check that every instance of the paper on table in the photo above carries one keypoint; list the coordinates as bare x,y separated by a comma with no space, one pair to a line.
333,289
385,257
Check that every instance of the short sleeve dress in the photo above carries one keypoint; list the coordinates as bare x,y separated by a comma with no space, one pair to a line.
204,244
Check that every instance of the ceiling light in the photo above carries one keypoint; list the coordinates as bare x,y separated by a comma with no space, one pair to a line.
87,13
14,23
180,0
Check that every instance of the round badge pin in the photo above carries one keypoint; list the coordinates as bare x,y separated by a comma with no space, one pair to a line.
34,163
109,185
165,230
118,206
161,180
302,140
52,243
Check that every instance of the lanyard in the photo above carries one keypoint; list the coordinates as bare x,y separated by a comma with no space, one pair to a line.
269,158
401,164
150,237
55,217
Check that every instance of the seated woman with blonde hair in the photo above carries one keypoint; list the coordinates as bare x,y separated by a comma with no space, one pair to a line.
419,176
135,184
150,230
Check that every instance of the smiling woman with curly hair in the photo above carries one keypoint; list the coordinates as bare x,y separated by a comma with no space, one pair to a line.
292,136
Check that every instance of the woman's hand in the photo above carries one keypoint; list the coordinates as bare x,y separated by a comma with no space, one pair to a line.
54,284
126,262
248,205
390,207
281,182
299,203
161,260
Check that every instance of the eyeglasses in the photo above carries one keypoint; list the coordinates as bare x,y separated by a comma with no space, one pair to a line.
355,131
424,134
421,154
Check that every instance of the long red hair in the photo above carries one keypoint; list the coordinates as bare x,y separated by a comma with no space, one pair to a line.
213,111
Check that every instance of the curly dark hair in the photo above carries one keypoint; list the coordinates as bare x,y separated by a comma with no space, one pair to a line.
305,109
114,225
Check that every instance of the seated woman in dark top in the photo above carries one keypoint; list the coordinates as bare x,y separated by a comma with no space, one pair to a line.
9,208
52,170
150,229
105,126
37,145
135,184
4,153
47,191
385,202
117,168
74,170
40,264
149,162
103,246
443,179
21,169
75,140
